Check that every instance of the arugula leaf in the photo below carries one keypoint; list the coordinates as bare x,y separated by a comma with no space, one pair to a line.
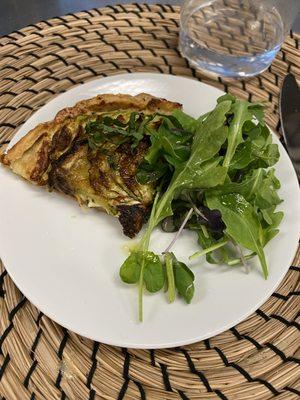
259,187
271,217
270,221
268,156
187,122
242,223
173,143
267,195
210,174
255,131
226,97
249,154
269,234
169,142
250,185
257,150
212,133
242,157
241,113
258,112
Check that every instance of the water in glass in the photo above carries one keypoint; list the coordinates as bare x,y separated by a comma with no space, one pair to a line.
235,38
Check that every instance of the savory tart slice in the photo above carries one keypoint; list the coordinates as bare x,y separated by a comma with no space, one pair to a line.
91,152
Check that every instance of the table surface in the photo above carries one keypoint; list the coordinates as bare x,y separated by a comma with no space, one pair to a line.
15,15
41,358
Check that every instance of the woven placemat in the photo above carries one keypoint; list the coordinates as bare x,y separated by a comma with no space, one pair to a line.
257,359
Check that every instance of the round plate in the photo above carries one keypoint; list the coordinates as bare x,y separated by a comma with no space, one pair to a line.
66,260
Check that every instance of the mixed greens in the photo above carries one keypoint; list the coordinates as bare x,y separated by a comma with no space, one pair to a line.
213,177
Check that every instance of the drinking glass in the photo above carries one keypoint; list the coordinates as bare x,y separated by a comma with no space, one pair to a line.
234,38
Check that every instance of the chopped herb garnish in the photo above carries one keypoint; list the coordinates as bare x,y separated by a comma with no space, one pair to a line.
118,132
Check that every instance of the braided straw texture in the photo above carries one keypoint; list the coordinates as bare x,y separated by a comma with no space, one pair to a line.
41,360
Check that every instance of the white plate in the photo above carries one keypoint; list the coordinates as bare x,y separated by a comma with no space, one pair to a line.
66,260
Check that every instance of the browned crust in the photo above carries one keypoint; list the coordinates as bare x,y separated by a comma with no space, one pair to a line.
113,102
101,103
132,218
25,143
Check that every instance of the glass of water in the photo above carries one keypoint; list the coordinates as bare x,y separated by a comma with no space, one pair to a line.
234,38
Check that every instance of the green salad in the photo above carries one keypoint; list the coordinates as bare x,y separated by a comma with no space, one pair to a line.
213,177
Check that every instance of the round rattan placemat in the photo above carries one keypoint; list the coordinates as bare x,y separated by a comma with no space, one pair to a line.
39,359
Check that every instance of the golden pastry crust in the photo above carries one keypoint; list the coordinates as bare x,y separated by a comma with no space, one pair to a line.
112,102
